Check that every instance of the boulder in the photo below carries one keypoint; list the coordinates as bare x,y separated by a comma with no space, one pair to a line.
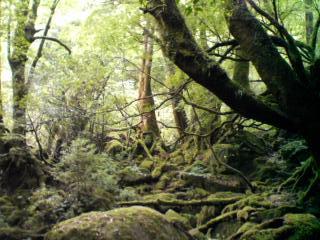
118,224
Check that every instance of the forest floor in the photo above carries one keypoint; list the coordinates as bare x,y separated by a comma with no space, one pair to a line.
196,192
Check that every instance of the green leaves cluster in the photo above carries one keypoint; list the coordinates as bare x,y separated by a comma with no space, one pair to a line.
83,170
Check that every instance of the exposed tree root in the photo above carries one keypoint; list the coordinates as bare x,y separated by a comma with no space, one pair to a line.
203,202
301,176
213,222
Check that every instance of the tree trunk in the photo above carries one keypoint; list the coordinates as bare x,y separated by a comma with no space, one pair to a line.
146,101
1,106
179,114
241,70
21,42
309,20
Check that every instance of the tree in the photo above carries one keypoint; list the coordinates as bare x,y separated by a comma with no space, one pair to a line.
146,101
1,112
241,70
309,20
179,114
293,87
23,37
1,105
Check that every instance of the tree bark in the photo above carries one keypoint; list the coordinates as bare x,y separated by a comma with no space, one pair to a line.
309,20
1,106
241,70
146,101
179,114
21,42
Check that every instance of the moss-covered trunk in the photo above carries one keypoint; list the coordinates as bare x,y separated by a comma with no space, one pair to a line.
21,42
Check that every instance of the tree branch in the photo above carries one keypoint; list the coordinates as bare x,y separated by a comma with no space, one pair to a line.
292,50
54,40
180,46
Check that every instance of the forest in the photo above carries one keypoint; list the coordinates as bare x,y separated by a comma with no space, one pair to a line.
159,120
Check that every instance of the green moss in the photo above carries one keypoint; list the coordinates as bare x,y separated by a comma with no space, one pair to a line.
131,175
156,173
161,196
290,227
246,227
276,212
198,167
197,193
9,233
254,200
306,226
119,224
163,182
114,147
206,213
146,164
177,218
244,213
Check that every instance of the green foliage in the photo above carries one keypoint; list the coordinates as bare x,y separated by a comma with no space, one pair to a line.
295,151
47,207
128,194
82,169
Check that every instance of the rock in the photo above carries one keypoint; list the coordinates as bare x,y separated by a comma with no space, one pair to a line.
119,224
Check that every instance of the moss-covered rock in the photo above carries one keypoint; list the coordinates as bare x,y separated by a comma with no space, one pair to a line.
119,224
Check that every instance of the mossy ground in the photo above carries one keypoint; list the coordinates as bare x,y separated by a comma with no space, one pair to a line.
184,191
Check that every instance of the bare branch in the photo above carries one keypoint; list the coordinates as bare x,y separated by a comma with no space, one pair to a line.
54,40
